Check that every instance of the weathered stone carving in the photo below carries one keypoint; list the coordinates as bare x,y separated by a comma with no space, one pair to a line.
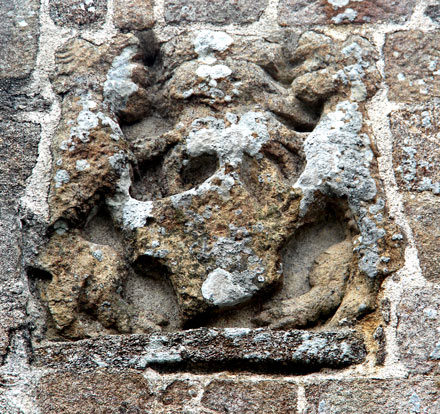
206,164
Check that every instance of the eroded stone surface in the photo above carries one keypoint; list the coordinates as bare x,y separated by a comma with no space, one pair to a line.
147,394
214,11
13,293
433,12
18,96
18,153
230,159
369,396
416,157
19,34
18,378
89,129
412,73
304,12
94,392
134,14
417,333
223,396
59,393
331,269
424,216
94,245
79,13
415,152
234,394
209,350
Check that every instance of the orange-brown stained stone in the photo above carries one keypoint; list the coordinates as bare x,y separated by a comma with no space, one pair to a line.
229,396
95,392
412,68
134,14
305,12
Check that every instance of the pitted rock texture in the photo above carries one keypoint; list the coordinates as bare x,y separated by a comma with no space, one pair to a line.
225,396
415,153
424,213
13,295
88,270
412,73
89,133
134,14
417,332
329,273
75,392
78,13
319,12
209,162
19,33
433,12
369,396
18,153
416,158
140,115
214,11
19,96
70,392
210,350
91,392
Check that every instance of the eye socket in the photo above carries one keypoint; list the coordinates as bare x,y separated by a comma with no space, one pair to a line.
169,174
149,181
36,273
152,267
198,170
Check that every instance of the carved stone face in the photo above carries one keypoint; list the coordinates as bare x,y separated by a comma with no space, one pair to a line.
223,208
248,163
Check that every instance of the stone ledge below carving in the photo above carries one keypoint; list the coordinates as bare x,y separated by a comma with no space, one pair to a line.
210,350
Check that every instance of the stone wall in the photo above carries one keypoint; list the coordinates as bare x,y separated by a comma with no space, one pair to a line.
219,206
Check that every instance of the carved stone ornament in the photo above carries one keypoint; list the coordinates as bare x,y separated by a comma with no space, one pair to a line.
214,181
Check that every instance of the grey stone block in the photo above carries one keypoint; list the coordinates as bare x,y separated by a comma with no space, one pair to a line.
18,154
411,68
78,13
210,350
214,11
417,332
134,14
433,12
373,396
232,396
19,33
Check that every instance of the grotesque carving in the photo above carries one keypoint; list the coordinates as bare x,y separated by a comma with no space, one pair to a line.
228,150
